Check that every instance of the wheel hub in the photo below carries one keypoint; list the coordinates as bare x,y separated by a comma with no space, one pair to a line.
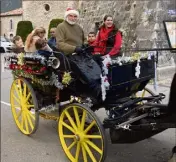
79,137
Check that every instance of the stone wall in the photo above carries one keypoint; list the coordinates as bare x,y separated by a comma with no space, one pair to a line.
35,12
140,21
5,24
143,20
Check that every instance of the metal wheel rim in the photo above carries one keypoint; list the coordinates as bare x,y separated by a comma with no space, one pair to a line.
81,140
24,106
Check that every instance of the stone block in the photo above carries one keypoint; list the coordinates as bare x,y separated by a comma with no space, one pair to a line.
165,72
145,43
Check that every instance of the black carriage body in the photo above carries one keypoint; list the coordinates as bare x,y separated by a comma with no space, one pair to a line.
123,81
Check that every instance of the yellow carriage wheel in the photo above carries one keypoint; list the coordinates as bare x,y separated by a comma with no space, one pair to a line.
81,134
24,106
146,92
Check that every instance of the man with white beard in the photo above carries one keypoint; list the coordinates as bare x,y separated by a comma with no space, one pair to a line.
69,35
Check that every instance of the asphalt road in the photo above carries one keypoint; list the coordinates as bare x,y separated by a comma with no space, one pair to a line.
44,145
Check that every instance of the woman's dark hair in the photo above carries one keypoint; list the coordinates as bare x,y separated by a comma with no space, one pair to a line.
106,16
104,19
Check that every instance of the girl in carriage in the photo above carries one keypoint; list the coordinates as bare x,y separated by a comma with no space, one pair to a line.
108,39
37,33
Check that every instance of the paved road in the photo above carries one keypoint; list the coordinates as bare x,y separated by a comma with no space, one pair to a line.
44,145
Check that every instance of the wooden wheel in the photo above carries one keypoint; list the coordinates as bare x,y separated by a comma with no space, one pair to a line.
81,134
24,106
146,92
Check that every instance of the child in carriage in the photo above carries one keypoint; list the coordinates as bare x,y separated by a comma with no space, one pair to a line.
42,48
18,44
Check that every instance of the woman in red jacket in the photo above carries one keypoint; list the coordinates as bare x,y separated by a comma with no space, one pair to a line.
109,38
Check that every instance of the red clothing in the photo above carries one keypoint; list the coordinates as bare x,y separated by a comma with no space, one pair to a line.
91,43
103,37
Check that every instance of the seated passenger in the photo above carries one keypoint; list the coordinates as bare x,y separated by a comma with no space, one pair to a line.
69,35
91,38
69,40
42,48
36,34
52,39
90,42
109,38
18,44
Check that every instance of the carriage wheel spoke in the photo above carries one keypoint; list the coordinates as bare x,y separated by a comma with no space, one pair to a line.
89,127
68,127
94,146
31,115
68,136
24,92
71,120
16,99
22,120
28,106
16,89
18,114
84,153
71,145
76,116
93,136
26,123
83,120
19,83
30,122
27,98
17,107
143,93
89,152
77,151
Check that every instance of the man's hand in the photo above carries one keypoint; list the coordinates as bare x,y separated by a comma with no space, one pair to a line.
79,50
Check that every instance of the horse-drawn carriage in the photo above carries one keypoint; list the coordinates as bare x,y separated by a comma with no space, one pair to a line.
118,85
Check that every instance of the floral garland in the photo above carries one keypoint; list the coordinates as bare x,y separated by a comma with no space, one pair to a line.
66,79
37,69
53,80
104,79
20,66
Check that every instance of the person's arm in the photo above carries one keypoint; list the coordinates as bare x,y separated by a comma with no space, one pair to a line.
117,46
60,43
47,48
